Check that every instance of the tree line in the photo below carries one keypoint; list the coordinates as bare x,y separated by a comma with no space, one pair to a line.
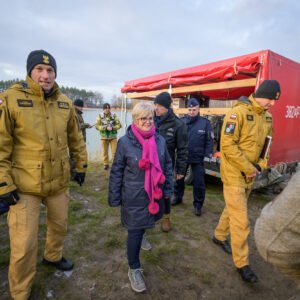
91,99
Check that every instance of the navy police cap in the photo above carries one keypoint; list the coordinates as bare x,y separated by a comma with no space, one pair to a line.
192,102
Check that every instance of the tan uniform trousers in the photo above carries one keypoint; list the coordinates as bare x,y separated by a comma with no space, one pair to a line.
23,222
105,146
234,221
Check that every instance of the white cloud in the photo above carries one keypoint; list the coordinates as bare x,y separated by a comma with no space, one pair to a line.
100,44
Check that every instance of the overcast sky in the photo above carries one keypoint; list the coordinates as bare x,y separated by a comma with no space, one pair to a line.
98,45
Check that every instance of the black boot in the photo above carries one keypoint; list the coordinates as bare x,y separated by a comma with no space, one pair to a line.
63,264
225,245
247,274
176,201
197,211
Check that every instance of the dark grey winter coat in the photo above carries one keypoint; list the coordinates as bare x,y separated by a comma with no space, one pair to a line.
126,182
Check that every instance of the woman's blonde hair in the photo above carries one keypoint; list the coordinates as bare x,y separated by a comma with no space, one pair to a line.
142,109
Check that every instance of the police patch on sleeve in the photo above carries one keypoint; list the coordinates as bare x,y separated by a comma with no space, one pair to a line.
64,105
230,127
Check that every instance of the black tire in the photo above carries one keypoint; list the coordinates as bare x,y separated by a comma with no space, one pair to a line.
189,177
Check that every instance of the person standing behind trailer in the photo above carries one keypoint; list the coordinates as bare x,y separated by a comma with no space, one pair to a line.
175,133
108,124
243,137
200,145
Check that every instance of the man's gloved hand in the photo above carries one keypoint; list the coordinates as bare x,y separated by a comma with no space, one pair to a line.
79,178
10,198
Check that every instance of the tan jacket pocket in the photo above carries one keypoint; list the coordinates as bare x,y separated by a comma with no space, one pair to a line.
27,176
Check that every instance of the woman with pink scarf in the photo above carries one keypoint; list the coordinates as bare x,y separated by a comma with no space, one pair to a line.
140,178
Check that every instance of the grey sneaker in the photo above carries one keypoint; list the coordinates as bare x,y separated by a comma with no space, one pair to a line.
137,280
146,244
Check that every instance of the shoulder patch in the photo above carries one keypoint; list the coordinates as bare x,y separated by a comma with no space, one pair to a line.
1,101
25,103
233,116
64,105
269,119
250,117
229,128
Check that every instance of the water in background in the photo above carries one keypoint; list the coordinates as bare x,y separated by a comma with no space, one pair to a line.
93,136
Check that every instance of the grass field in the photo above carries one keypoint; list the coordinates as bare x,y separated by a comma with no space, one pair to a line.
184,263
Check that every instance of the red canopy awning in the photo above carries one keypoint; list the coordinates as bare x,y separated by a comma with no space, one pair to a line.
236,68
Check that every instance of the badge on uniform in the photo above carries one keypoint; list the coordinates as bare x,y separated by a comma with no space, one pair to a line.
250,117
1,101
233,116
25,103
64,105
229,128
269,119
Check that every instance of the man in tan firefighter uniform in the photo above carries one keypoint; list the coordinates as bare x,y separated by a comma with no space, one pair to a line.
38,129
243,137
108,124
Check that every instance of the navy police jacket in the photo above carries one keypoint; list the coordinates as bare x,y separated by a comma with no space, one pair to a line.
126,182
200,138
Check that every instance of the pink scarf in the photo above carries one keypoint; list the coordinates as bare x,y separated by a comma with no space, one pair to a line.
150,163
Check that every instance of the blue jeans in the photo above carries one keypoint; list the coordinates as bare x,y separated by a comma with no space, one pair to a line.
134,242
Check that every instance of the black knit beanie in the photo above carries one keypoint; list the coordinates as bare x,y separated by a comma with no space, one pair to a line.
106,105
269,89
78,102
40,57
163,99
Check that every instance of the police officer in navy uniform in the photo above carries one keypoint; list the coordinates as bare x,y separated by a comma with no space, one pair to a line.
200,145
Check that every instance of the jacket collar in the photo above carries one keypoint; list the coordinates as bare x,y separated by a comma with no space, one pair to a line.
251,103
36,89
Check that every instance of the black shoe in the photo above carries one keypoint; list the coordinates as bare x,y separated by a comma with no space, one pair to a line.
247,274
225,245
106,167
176,201
63,264
197,211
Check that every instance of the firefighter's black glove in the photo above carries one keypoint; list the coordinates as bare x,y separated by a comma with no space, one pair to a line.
10,198
79,178
4,208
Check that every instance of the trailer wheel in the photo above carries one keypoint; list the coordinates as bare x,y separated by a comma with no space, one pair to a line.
188,179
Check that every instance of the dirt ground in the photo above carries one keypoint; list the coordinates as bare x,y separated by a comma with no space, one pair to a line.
183,264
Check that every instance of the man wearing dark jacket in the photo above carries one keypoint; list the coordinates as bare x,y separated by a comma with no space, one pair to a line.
175,133
78,103
200,145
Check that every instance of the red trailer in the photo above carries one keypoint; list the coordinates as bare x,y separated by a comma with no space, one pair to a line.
227,80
